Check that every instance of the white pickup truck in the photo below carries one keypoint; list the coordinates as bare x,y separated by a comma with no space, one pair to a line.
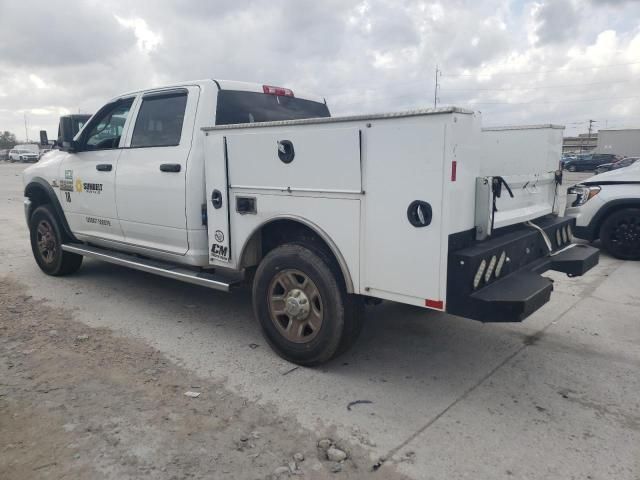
217,183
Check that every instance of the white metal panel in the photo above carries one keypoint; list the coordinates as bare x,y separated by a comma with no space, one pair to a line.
325,160
533,197
423,112
217,218
521,150
334,218
404,161
526,157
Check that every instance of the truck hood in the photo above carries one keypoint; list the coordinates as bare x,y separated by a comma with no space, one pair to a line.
620,175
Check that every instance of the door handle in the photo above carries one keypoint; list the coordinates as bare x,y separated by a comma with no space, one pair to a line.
216,199
170,167
104,167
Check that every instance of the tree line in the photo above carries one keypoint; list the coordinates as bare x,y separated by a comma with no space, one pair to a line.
7,139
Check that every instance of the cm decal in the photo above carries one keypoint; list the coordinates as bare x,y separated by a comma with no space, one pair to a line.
220,252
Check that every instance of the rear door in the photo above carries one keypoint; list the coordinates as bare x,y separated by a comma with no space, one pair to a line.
151,190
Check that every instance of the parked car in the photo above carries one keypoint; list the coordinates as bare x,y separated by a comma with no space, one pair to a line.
566,158
625,162
16,155
607,207
588,162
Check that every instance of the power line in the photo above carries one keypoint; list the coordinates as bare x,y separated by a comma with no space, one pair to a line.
541,71
553,101
571,85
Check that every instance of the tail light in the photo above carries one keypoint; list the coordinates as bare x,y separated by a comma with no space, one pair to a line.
271,90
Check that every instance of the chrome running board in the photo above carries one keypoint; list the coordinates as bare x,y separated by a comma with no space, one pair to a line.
163,269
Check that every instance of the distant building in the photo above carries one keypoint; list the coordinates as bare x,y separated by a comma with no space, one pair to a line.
580,144
624,142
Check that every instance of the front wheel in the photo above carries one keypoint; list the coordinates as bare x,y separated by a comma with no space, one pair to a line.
302,306
572,168
620,234
46,244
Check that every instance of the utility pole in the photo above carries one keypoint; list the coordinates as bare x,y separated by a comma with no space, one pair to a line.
591,122
435,90
26,130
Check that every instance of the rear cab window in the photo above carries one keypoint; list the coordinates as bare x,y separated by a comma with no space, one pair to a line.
236,106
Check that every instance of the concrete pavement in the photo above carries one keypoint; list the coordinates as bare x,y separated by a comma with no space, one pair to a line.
554,397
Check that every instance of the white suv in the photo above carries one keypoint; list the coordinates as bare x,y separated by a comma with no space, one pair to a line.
16,155
607,207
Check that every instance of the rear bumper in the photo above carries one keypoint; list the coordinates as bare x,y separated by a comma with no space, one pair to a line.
520,289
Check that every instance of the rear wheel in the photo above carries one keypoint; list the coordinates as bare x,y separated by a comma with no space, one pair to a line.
46,244
572,168
302,306
620,234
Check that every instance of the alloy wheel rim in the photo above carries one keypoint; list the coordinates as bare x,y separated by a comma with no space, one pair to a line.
295,306
626,234
47,243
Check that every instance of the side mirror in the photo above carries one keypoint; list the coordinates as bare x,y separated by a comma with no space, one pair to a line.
66,134
71,147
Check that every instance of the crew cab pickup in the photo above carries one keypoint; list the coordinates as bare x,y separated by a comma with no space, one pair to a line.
217,183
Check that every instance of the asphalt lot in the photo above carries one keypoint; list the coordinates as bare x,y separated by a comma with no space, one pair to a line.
557,396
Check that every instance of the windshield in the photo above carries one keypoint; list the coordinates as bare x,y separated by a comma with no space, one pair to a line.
248,107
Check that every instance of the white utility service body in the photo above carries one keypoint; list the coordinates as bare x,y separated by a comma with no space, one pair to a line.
352,180
218,182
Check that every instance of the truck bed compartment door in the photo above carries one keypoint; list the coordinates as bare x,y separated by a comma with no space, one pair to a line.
217,183
403,234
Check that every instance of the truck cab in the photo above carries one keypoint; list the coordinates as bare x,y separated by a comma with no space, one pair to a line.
148,144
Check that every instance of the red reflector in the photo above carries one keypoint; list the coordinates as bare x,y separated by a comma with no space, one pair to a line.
439,304
283,92
454,168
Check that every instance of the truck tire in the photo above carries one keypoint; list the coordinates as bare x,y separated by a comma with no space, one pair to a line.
302,305
620,234
46,244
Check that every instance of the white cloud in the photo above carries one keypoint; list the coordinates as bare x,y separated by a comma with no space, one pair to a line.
147,39
519,61
37,81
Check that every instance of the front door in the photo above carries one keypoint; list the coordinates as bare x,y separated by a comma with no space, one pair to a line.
87,177
151,176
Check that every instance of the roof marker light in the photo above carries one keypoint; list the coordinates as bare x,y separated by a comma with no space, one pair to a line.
280,91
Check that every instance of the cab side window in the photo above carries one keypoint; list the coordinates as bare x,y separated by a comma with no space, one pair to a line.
159,122
106,133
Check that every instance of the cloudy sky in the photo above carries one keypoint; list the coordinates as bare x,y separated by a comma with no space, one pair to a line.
517,61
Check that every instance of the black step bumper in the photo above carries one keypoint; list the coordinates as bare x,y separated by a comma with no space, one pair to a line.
520,289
